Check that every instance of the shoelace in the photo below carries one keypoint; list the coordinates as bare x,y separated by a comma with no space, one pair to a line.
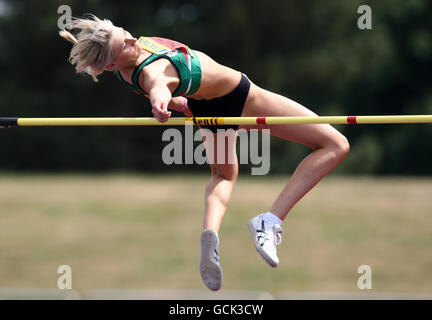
277,229
216,256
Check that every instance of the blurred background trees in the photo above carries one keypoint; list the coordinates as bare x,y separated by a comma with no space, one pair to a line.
310,51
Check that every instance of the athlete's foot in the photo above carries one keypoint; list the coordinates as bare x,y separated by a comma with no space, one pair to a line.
266,237
209,265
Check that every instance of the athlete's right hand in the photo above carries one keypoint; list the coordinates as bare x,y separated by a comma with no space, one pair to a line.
160,112
159,96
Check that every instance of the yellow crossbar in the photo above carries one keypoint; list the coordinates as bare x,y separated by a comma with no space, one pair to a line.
115,121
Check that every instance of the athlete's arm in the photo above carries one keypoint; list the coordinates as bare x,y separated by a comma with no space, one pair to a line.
159,96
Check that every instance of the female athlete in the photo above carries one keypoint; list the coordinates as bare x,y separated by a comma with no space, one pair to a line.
167,72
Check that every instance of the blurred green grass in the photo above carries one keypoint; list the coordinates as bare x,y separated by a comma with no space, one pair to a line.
142,231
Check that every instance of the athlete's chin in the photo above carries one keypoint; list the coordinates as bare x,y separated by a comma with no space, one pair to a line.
134,56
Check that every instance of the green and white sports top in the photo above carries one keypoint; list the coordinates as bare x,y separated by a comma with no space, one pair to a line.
183,59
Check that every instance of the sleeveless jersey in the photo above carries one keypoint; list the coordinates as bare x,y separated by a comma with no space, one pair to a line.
182,58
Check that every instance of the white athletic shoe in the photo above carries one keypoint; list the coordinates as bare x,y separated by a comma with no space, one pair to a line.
210,268
266,238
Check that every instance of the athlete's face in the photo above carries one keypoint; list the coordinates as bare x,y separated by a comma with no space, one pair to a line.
126,48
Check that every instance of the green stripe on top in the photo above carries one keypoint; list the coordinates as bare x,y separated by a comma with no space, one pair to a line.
135,75
127,84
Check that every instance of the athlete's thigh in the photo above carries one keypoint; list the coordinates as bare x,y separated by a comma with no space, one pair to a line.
264,103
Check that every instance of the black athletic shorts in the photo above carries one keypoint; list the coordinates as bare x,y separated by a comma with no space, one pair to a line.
230,105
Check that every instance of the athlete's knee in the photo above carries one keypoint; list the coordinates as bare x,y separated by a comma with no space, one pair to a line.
225,171
340,146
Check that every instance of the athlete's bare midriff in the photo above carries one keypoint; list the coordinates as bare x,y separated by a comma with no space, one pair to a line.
216,80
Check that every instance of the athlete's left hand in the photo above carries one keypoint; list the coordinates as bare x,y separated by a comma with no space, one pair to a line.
180,104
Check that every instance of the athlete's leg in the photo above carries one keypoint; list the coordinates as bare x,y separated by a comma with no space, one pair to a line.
329,149
329,146
221,153
223,176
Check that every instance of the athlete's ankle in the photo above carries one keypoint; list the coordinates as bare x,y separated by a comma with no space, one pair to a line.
271,218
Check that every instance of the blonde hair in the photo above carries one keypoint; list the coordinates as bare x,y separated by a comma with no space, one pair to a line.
92,50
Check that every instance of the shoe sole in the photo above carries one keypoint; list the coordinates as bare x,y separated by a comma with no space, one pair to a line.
262,253
211,273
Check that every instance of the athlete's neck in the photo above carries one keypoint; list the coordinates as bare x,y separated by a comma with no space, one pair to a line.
131,66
